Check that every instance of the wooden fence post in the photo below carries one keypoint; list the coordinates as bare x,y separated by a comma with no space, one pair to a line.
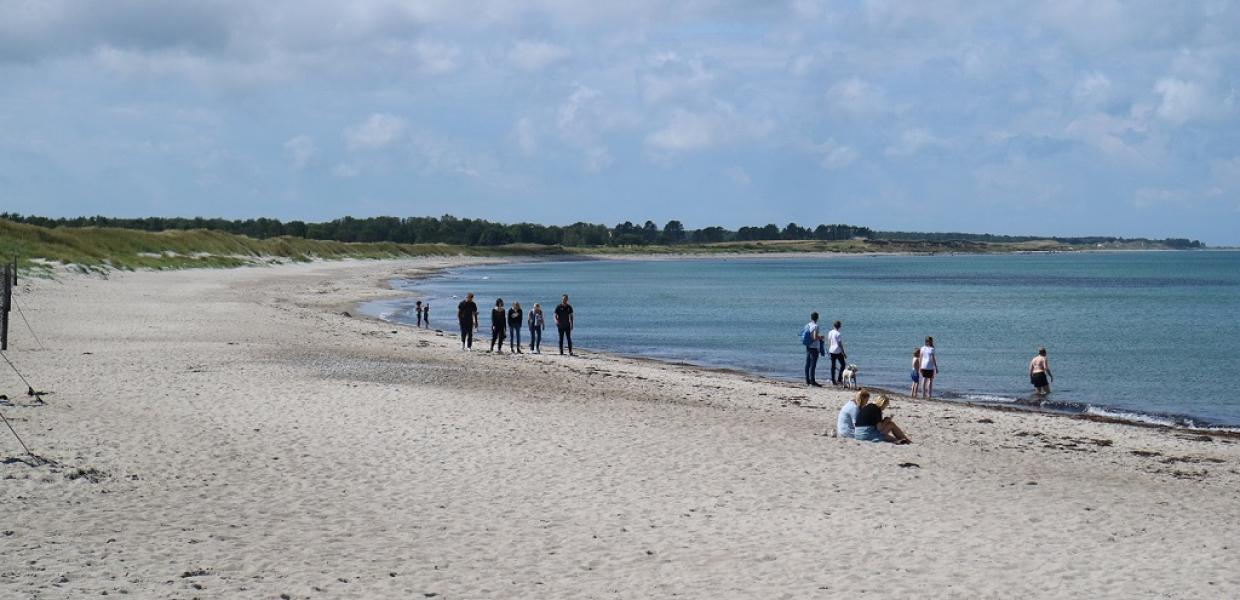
6,303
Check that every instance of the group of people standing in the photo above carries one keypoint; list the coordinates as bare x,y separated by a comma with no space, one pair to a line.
507,324
816,345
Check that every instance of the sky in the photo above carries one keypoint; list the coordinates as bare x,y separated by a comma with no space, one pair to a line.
1064,117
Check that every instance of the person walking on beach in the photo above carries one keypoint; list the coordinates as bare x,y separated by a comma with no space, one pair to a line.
915,376
813,347
564,323
417,309
467,316
536,328
835,348
499,321
1040,373
514,328
928,367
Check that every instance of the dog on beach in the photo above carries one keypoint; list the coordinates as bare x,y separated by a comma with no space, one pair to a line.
850,376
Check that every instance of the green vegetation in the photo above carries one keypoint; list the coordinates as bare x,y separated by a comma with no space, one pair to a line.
39,242
93,248
477,232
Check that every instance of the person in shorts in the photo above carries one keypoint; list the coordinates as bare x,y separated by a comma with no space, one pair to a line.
1040,373
928,367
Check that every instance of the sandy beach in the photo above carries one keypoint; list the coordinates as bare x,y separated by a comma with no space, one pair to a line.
234,434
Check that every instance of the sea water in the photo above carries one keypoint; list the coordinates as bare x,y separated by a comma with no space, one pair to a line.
1151,336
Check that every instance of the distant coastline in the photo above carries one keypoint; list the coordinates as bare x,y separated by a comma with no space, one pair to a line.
86,248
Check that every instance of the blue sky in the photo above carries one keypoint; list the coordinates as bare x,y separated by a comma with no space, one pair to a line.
1059,117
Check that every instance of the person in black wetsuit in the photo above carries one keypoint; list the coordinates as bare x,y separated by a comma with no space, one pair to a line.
872,426
514,328
499,322
417,310
467,316
564,323
426,315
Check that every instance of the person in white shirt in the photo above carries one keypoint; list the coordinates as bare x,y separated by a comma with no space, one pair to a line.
835,348
929,368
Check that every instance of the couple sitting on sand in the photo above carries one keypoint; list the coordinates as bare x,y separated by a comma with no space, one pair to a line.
863,420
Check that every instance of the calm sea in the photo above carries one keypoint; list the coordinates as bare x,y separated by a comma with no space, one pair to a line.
1151,336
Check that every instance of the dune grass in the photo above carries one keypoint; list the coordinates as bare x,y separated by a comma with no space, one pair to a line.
92,249
100,249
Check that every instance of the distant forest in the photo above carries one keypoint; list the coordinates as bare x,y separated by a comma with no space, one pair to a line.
477,232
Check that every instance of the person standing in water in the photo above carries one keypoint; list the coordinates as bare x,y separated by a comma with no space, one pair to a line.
499,321
417,310
835,348
536,328
928,367
1040,373
564,323
426,315
467,316
514,328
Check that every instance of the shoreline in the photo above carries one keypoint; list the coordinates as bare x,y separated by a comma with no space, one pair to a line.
232,434
1229,431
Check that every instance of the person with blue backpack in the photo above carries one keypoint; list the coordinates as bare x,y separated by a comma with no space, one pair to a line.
812,340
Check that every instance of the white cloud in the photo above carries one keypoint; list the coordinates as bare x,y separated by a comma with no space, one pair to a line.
912,141
525,136
834,155
377,131
856,97
686,131
672,77
583,119
535,55
424,56
300,150
1154,197
1183,101
1092,90
346,171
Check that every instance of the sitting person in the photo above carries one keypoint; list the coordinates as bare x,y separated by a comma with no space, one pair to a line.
872,426
845,423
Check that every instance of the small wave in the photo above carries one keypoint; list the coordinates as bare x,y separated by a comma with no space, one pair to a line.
989,398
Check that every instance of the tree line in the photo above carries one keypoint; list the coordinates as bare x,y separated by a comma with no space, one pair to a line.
479,232
465,232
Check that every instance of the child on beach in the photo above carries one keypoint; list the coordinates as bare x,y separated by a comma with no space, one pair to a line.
912,392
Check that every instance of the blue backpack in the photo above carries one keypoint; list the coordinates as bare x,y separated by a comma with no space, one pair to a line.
807,338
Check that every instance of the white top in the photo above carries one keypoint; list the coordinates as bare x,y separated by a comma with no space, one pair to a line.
833,338
927,359
844,423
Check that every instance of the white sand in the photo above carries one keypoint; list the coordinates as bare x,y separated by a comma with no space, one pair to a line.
248,435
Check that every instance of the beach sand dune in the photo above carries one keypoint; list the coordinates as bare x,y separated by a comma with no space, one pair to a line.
232,434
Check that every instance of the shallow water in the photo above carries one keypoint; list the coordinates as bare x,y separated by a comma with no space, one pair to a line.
1141,335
